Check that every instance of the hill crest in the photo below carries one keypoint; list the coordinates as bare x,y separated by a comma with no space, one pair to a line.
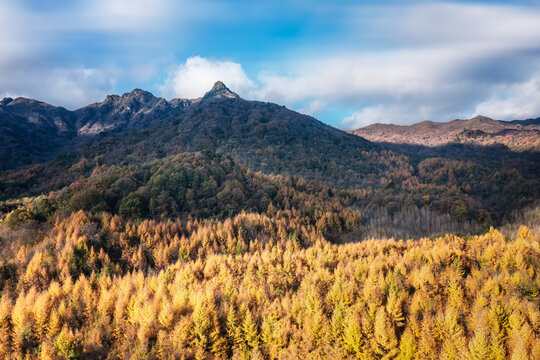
517,135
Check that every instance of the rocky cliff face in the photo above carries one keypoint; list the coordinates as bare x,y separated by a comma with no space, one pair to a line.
220,91
136,109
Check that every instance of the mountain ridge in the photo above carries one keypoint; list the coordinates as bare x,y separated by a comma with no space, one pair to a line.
35,131
517,135
121,166
263,136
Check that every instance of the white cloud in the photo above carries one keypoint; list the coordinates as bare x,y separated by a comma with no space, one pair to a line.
18,37
402,86
83,86
513,101
450,58
197,75
368,115
478,26
397,86
351,77
24,26
313,107
30,38
386,114
71,88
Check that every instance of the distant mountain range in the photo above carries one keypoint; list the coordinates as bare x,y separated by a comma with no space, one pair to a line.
517,135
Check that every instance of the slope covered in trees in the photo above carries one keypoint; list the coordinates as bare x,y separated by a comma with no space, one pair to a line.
255,286
265,137
241,229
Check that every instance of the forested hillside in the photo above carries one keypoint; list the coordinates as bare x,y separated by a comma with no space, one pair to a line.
272,140
226,228
257,286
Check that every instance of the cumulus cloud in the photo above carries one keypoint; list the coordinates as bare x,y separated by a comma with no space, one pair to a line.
313,107
513,101
197,75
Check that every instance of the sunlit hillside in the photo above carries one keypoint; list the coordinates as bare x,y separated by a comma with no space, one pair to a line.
256,286
248,180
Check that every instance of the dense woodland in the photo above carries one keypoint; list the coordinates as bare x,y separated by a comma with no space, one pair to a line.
209,184
255,286
244,230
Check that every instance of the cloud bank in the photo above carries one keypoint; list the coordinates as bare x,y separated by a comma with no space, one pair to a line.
513,101
454,60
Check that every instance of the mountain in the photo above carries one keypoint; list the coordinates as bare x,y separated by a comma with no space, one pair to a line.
132,110
525,122
146,151
261,135
517,135
33,131
220,91
222,228
271,138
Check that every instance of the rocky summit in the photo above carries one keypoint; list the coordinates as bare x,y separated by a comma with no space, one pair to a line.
220,91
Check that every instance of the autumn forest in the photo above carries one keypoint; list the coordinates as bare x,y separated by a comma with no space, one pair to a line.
224,228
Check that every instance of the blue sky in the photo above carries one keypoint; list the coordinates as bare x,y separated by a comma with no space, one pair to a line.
348,63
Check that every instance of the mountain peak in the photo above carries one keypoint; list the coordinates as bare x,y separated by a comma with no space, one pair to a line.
219,85
138,91
481,118
220,91
140,94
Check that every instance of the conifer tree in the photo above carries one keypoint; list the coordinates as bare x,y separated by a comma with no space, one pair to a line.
250,331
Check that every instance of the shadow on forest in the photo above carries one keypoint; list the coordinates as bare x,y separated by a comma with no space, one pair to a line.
459,151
